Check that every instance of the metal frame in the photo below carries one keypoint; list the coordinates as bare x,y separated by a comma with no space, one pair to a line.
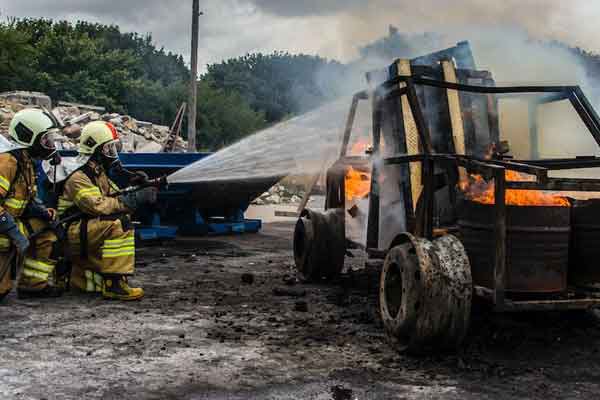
492,168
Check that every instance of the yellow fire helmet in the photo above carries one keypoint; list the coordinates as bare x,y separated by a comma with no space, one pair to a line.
28,124
95,134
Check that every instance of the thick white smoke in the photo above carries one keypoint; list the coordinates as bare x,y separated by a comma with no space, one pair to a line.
360,22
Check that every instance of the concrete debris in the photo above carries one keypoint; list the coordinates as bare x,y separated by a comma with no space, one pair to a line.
136,136
282,193
83,107
28,98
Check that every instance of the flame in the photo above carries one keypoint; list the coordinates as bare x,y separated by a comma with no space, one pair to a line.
477,189
357,184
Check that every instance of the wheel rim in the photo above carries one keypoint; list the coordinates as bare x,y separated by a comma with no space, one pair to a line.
303,236
393,290
299,239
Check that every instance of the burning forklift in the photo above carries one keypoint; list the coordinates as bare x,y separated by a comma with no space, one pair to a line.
447,208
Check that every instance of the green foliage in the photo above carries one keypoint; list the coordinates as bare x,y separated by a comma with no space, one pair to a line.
18,61
224,117
97,64
278,84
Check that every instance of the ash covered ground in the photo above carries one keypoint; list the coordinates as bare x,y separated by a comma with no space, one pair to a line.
224,318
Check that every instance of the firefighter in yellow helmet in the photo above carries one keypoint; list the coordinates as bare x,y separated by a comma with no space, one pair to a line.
101,243
32,133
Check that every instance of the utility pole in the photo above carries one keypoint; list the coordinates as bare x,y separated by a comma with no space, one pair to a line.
193,79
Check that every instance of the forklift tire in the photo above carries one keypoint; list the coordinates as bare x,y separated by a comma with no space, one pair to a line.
425,294
319,244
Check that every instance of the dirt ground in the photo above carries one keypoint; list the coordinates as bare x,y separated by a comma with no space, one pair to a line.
207,331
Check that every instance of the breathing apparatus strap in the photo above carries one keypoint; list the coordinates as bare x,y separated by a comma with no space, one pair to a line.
19,157
83,238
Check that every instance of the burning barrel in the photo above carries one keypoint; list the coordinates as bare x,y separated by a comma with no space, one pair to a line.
585,245
537,246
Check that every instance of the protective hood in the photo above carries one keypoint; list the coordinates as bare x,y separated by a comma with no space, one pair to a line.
7,145
67,166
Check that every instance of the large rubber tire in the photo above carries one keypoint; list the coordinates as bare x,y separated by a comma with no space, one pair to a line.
399,296
319,245
425,294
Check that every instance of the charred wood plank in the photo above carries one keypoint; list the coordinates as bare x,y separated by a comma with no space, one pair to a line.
559,184
565,163
480,88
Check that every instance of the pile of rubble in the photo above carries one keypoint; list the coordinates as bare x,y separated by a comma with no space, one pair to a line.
280,194
136,136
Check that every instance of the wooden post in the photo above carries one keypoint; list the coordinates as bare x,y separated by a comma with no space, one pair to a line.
193,78
411,134
456,120
500,236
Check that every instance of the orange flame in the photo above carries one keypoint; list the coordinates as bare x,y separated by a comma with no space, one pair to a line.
357,184
477,189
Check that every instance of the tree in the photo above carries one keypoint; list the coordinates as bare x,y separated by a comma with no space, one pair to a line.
92,63
224,117
18,59
277,84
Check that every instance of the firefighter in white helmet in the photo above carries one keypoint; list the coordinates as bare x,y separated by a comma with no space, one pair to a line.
101,242
32,133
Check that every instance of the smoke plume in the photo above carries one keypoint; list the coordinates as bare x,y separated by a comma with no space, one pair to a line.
362,22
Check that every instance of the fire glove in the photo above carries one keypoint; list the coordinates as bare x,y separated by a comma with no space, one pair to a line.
138,178
140,198
37,209
9,228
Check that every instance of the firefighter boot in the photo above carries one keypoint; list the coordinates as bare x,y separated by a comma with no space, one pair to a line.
55,287
116,288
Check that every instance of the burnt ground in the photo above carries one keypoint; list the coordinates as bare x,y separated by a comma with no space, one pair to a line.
205,331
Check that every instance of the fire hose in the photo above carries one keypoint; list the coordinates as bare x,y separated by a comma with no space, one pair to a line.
157,182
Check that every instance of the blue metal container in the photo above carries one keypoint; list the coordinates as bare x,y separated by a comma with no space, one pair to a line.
185,208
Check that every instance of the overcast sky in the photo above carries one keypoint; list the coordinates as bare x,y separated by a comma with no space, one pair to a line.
331,28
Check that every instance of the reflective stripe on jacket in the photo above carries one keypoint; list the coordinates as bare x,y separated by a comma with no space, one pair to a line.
15,194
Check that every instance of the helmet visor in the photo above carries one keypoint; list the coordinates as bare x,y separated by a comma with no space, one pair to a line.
109,149
48,139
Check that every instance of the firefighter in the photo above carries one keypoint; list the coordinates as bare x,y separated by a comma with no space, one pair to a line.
101,243
32,133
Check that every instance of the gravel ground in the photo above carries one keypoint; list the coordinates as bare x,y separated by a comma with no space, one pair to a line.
225,318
